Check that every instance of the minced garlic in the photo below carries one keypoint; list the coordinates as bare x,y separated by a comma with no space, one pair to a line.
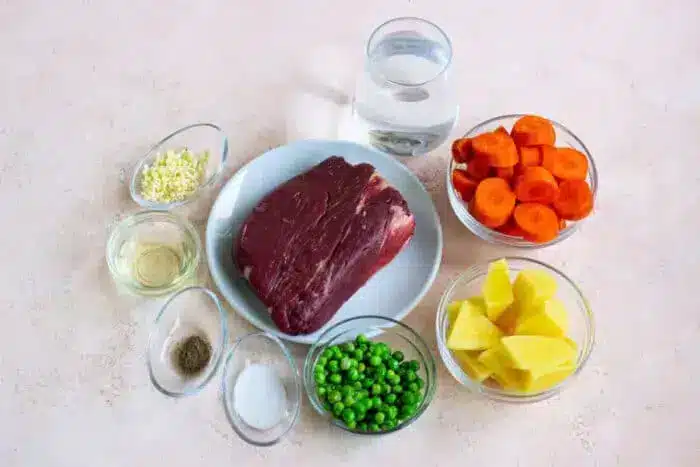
173,176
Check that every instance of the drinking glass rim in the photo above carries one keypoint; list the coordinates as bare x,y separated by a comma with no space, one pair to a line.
424,21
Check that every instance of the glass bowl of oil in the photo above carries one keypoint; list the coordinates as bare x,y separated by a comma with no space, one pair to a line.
153,253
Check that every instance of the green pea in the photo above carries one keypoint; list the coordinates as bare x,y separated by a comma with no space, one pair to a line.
411,376
377,351
381,372
397,389
415,366
376,402
361,367
398,356
367,383
335,378
357,385
413,387
338,353
321,391
363,426
358,355
389,425
390,398
328,406
319,368
361,339
360,415
353,375
379,417
371,371
392,413
320,378
408,411
338,408
394,379
348,415
345,364
334,396
393,364
386,388
327,354
420,382
333,366
349,400
373,427
363,394
322,360
349,347
352,425
345,390
360,406
375,360
376,389
405,366
408,398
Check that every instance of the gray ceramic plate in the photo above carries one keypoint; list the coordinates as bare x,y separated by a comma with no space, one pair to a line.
393,292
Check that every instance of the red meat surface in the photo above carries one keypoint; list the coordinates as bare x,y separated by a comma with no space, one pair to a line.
315,240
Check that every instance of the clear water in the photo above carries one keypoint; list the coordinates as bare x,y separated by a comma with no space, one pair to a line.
404,102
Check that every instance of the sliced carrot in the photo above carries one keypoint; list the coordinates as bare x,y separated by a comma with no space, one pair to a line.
462,150
501,129
539,223
562,224
529,156
479,167
506,173
464,184
548,155
565,163
511,228
493,202
532,130
498,147
575,200
536,185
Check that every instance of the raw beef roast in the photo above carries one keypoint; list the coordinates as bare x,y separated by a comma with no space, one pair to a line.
314,241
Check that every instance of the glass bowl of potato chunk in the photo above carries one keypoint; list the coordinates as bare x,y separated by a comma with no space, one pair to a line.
514,329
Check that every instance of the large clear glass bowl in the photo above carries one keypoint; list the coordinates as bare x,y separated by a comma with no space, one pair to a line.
468,284
397,336
564,138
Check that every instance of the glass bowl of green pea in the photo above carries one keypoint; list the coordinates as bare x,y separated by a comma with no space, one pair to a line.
370,375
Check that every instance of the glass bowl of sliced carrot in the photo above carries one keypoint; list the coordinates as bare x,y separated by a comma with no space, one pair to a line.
521,180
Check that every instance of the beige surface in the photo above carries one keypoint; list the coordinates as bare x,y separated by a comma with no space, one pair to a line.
86,86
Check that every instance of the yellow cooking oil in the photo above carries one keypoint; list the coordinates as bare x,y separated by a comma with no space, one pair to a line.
156,265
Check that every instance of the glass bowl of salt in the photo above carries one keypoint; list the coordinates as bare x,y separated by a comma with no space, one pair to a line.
261,389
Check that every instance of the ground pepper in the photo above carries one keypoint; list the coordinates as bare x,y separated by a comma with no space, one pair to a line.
192,355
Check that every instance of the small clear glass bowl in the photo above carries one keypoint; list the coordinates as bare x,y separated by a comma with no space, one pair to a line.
193,311
397,336
264,349
581,326
564,137
145,231
198,138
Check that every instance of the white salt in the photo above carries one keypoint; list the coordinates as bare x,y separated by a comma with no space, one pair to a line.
259,397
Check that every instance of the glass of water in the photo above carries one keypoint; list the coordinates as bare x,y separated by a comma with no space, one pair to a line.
404,100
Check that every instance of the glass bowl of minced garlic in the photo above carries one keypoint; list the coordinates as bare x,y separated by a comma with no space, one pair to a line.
176,169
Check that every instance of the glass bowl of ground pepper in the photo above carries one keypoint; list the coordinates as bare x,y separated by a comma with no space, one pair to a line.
186,342
179,167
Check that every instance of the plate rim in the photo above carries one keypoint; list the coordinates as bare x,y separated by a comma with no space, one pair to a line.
305,339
